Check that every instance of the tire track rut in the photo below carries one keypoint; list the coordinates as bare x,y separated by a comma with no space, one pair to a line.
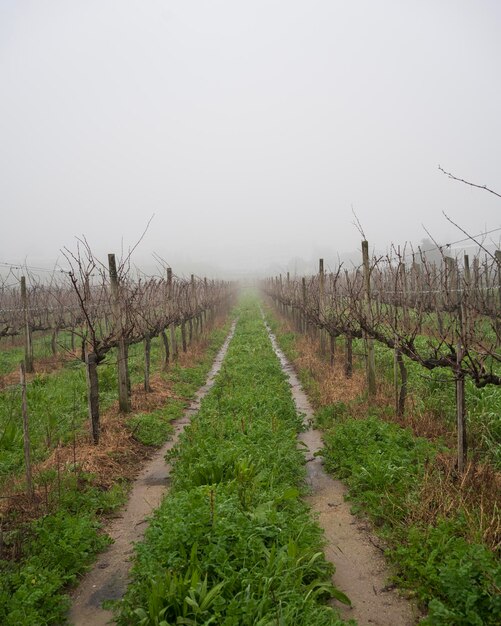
361,570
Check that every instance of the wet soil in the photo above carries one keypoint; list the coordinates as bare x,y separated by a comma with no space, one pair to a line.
109,576
361,570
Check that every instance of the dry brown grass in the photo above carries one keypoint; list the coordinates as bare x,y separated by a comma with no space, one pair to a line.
477,494
44,365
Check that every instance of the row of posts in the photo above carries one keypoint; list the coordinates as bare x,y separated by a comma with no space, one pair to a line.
91,360
400,372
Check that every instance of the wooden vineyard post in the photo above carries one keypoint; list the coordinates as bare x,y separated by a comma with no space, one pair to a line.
165,342
416,289
399,369
183,336
172,326
305,319
451,281
438,283
193,301
203,313
93,395
332,339
348,350
497,256
321,297
287,307
466,296
147,362
456,302
467,272
26,433
53,341
400,380
461,411
348,355
395,375
403,288
281,291
123,372
28,344
369,341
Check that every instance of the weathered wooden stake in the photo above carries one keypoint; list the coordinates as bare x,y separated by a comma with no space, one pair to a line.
93,395
348,356
166,357
321,303
305,319
172,326
461,412
28,344
122,352
332,349
53,342
26,433
369,341
497,255
183,336
147,362
400,380
193,302
404,302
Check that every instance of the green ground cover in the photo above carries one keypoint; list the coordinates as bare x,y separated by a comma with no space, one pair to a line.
57,402
457,581
233,543
40,559
12,353
383,465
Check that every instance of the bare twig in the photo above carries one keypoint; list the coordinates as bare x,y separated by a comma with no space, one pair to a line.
461,180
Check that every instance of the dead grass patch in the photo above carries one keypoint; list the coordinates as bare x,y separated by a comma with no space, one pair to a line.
44,365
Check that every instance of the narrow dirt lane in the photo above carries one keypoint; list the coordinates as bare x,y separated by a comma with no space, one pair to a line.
108,578
361,570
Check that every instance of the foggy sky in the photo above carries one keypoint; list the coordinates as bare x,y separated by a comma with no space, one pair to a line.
249,128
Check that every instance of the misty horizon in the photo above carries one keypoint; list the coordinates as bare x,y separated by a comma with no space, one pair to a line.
251,132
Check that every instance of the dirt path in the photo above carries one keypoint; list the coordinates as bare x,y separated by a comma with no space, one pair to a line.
361,570
108,578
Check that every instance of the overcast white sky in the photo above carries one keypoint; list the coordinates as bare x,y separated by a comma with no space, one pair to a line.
249,128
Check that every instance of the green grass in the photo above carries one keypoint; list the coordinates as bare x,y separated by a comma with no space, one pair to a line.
383,465
57,402
48,555
433,391
12,355
232,543
153,429
54,551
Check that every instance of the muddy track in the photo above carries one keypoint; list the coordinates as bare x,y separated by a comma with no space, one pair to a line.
361,570
109,576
